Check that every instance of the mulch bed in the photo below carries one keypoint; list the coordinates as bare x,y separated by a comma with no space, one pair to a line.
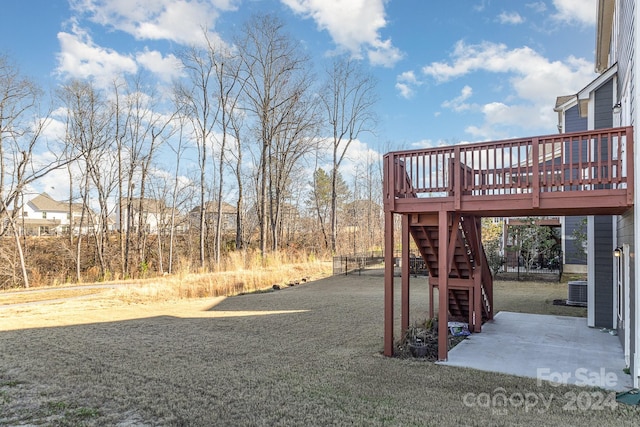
403,348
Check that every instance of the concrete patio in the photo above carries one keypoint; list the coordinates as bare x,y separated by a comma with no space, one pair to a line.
555,348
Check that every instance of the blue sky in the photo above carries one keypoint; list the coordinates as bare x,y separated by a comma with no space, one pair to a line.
447,71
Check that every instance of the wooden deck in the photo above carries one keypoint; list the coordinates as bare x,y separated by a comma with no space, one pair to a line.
585,173
436,190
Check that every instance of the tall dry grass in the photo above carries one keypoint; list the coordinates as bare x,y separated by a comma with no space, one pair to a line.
239,274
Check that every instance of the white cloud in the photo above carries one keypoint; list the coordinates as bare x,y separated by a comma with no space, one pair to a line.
575,11
55,183
354,26
458,103
166,67
406,91
180,21
533,76
479,7
512,18
81,58
488,56
406,83
359,156
538,6
384,53
54,130
423,143
534,82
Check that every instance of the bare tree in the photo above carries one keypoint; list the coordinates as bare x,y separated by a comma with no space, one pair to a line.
140,129
194,98
348,97
227,92
237,125
178,150
88,133
277,81
295,140
21,127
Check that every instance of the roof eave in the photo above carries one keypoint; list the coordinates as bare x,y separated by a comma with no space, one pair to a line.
604,25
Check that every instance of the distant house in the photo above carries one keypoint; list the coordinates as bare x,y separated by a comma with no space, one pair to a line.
153,214
227,211
44,216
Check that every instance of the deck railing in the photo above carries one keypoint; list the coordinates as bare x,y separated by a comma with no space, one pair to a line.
580,161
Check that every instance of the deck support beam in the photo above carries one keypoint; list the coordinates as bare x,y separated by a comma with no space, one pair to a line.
443,285
388,283
406,274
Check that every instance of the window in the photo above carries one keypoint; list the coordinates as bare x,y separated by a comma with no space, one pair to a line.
44,215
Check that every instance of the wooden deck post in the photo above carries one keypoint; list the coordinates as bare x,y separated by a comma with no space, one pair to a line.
388,283
406,275
457,180
535,176
443,285
476,321
431,302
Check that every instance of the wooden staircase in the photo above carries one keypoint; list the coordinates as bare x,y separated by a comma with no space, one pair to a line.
470,281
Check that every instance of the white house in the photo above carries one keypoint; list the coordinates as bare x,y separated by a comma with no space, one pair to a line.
42,216
153,214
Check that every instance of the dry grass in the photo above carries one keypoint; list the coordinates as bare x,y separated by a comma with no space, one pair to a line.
224,283
181,285
44,295
307,355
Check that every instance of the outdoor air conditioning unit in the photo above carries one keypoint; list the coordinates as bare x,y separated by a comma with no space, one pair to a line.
577,293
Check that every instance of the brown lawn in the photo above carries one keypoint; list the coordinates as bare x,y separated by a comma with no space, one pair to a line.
303,355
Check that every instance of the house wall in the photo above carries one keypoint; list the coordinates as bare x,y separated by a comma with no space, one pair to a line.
575,259
622,40
603,259
623,47
31,213
603,106
573,122
603,225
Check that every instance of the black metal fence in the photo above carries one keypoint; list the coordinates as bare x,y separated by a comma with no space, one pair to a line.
512,267
347,264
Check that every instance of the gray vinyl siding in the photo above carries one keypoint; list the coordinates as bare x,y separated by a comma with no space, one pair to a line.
624,42
573,123
603,108
603,247
603,224
572,120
